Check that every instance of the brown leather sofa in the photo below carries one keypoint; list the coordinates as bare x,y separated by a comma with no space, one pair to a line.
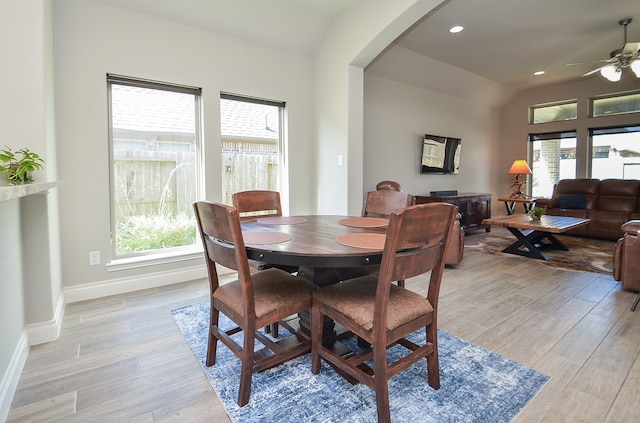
626,266
454,251
609,203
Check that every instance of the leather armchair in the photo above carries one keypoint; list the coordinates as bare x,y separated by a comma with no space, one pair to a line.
626,263
454,250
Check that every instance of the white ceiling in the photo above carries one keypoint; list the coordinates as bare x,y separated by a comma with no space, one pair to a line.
507,40
504,40
292,25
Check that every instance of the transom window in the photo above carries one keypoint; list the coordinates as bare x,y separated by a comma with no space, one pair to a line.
554,112
616,105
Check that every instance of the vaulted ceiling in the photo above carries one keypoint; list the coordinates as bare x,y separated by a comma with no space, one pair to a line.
505,41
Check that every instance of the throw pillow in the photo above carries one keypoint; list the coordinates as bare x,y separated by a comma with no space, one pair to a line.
575,202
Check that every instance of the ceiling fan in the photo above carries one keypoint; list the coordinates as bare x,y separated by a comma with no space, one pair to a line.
626,57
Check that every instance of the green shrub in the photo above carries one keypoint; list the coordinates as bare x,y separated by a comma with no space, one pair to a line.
144,233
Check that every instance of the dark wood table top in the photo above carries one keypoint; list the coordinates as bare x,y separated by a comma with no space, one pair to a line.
313,243
547,223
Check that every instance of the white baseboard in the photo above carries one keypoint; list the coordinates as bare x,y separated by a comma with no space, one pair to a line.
93,290
12,376
42,332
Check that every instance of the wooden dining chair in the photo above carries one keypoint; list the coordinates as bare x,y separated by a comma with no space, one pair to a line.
383,314
255,204
455,248
385,199
382,202
251,302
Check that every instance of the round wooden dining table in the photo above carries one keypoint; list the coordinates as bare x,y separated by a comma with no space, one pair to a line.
326,250
323,247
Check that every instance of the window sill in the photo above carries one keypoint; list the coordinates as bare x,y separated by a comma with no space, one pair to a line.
155,259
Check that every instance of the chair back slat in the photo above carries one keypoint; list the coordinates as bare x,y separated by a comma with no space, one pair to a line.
257,203
383,202
410,264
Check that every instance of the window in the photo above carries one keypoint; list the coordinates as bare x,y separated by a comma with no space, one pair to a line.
615,153
553,112
154,137
252,145
616,105
554,158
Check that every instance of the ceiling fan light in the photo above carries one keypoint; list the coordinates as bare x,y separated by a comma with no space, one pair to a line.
611,72
635,67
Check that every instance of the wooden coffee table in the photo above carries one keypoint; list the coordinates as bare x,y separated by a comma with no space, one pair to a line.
535,235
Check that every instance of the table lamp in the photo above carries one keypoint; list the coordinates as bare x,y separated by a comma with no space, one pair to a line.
517,168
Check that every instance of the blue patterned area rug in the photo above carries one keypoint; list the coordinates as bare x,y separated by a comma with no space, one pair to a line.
477,385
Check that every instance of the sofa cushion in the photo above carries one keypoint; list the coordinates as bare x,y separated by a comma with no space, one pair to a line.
606,224
618,195
586,187
574,202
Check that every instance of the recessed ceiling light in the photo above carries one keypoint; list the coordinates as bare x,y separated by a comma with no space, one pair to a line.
456,29
538,73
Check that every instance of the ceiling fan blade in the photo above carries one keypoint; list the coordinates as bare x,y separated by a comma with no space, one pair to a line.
631,48
593,71
587,63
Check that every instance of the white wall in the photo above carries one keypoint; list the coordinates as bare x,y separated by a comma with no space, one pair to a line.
398,114
353,41
92,40
30,278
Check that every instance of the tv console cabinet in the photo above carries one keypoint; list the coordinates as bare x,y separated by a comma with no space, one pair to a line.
474,207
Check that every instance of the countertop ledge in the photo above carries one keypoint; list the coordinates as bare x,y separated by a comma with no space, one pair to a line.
11,192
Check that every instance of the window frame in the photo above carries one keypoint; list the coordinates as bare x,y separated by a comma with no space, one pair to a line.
534,108
548,136
609,130
162,255
611,98
282,174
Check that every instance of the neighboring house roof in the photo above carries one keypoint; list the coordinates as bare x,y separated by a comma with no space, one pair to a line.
143,109
248,120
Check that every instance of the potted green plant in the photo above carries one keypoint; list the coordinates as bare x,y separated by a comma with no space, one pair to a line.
18,166
536,213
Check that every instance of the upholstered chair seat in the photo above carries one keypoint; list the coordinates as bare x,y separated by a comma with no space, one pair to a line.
404,305
273,289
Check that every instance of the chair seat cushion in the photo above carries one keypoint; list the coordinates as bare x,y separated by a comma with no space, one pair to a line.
355,298
273,289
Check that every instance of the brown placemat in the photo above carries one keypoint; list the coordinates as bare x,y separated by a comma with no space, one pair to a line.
363,240
258,237
291,220
364,222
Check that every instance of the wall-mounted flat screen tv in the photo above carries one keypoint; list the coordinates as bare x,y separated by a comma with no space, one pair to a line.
440,154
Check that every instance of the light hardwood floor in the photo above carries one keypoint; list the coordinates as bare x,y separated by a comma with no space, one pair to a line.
122,358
